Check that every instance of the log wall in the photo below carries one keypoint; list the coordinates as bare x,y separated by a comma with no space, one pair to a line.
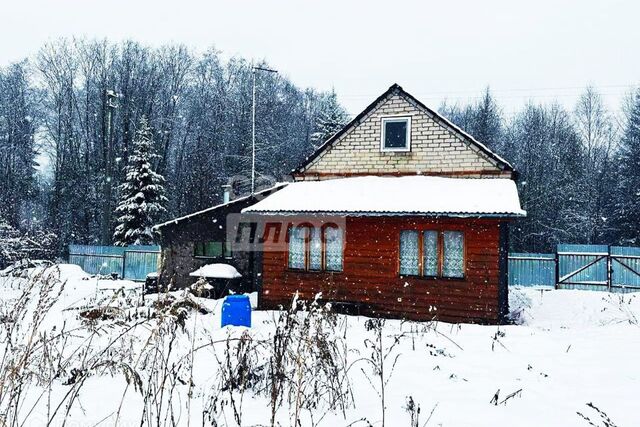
371,277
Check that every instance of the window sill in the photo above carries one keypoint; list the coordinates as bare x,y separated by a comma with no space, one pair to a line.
433,278
395,151
295,270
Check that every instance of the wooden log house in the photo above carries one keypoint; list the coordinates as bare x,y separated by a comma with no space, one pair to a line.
400,214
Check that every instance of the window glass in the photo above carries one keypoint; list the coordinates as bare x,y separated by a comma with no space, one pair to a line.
213,249
430,253
208,249
395,133
315,250
198,249
296,248
409,252
334,245
453,263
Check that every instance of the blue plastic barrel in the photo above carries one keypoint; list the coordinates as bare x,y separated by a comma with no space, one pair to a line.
236,311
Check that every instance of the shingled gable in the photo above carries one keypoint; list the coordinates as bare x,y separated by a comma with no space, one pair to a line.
438,147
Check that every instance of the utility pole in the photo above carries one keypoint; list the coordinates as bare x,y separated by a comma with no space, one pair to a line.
108,186
253,127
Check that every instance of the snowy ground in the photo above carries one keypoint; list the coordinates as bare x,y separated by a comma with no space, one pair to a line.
569,349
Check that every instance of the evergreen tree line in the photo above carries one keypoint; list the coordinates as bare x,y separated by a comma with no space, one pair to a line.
77,106
579,169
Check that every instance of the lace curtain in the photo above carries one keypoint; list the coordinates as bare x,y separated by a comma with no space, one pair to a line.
315,250
430,253
296,248
453,264
333,245
409,252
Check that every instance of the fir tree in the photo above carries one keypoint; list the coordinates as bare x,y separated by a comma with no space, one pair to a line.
628,206
331,118
142,193
482,120
487,121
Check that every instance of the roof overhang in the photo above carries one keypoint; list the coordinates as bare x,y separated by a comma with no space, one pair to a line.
245,199
434,215
396,196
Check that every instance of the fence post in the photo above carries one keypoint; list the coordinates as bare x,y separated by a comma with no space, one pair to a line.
124,262
609,266
557,268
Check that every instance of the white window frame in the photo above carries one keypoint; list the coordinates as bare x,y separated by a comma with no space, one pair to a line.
383,125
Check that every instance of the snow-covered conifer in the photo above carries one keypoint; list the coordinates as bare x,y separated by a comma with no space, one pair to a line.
331,118
141,194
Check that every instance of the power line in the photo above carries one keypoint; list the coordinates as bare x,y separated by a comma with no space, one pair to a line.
426,95
458,96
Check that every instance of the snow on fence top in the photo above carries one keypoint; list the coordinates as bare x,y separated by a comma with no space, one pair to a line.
374,195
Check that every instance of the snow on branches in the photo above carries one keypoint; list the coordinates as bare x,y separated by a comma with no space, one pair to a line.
141,194
16,245
331,118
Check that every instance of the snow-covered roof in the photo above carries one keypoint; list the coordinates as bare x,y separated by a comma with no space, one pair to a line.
407,195
260,193
217,271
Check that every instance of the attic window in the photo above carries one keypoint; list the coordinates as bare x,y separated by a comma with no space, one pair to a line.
396,134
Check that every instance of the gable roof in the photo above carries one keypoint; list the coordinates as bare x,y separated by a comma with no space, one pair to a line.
395,88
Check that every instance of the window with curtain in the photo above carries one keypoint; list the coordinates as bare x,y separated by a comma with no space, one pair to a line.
409,253
297,258
333,247
453,258
315,248
432,253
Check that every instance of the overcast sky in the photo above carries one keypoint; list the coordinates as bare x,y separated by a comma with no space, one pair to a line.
539,51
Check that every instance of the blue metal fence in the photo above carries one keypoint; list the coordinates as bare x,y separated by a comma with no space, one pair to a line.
588,267
625,268
532,269
97,259
583,267
131,262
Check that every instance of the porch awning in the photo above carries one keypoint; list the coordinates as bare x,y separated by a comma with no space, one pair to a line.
407,195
